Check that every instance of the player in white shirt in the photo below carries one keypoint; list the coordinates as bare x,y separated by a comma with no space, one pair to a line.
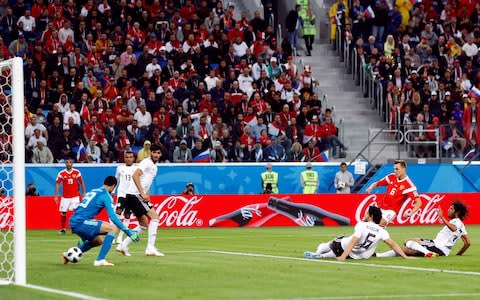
445,240
138,202
362,243
124,176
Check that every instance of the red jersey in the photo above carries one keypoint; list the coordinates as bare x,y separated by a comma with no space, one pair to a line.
70,182
398,191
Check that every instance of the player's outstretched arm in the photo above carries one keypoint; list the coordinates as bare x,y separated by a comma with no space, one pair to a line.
349,248
392,244
113,216
57,188
466,244
82,184
371,187
444,221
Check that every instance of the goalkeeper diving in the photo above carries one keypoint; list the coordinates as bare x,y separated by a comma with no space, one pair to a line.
90,230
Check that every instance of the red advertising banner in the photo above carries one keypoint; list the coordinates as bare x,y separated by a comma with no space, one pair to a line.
260,210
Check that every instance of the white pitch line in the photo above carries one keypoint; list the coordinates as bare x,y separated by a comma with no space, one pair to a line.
60,292
349,263
408,296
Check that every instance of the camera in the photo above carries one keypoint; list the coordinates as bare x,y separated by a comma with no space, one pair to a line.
189,189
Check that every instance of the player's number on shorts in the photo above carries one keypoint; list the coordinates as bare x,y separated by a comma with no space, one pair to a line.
368,241
86,199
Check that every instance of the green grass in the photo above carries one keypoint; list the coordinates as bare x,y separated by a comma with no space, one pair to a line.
184,274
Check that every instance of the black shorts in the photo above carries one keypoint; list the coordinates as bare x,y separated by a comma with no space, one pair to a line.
137,205
336,246
122,205
430,245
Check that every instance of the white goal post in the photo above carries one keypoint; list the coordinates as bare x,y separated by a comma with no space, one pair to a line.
12,159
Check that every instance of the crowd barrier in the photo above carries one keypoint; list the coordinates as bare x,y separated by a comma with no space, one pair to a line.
245,178
202,211
208,178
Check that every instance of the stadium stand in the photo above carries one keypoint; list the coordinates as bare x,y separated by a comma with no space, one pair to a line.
418,62
105,76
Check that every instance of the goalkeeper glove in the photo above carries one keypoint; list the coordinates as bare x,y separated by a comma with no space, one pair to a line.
133,235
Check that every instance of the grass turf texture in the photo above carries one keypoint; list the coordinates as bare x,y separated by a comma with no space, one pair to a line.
186,274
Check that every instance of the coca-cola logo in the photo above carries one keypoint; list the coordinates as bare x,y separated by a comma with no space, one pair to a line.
178,211
248,212
6,213
305,220
427,214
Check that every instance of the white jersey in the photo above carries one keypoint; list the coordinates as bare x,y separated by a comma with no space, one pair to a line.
124,175
149,171
369,234
446,238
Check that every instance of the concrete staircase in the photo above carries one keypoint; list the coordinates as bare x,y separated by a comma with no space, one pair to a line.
354,114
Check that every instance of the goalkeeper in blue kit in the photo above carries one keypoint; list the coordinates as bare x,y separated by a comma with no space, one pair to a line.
90,230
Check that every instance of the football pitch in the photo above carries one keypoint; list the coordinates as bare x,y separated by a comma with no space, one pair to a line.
244,263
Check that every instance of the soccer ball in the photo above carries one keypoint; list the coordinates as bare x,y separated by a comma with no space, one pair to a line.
74,254
341,185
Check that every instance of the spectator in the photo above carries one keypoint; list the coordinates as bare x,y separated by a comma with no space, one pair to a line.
41,154
93,152
182,154
144,152
218,154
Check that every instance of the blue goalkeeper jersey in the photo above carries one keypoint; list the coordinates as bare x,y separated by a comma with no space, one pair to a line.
91,205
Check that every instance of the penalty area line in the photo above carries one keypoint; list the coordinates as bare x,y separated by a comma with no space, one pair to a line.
60,292
371,265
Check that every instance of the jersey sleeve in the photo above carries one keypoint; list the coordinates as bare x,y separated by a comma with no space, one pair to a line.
460,226
108,202
411,190
144,165
59,177
384,181
359,229
117,173
384,235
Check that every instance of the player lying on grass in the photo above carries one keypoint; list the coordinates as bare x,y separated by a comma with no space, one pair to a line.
362,244
90,230
446,238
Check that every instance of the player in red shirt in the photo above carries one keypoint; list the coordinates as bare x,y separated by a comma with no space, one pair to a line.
70,178
399,189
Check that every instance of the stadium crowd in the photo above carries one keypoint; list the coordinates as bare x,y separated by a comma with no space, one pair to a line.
425,56
102,77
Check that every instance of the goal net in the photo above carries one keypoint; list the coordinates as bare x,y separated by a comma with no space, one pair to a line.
12,173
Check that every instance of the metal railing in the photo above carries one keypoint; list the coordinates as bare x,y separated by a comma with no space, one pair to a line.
376,137
436,143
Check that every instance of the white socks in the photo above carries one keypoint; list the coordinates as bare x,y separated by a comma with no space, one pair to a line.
139,229
328,254
417,247
152,233
389,253
324,251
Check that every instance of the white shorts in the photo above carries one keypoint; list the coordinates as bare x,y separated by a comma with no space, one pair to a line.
388,215
69,204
